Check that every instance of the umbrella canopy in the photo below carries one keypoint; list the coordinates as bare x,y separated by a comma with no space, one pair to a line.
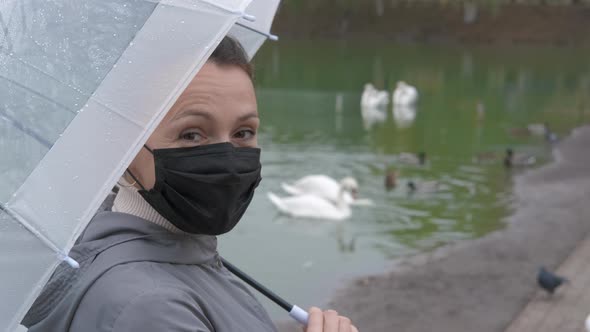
82,86
252,34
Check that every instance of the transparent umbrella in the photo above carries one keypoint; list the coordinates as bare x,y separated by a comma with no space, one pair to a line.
82,85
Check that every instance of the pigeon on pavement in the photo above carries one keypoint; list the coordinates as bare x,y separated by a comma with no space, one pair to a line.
549,281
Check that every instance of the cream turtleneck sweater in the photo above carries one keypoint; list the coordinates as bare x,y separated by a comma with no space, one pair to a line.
128,200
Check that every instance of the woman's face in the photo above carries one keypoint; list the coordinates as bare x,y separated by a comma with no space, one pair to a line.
218,106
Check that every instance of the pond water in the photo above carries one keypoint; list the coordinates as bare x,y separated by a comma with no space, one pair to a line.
309,101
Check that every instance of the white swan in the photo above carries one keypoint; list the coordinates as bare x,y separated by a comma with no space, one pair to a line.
372,116
311,206
327,188
373,106
404,115
324,187
367,94
373,98
404,94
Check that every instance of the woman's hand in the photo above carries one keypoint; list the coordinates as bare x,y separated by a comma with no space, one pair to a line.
328,321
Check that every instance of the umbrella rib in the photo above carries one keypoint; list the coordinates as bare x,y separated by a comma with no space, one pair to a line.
38,94
71,87
26,130
121,114
62,255
23,15
267,35
90,97
10,17
39,137
229,10
224,8
6,34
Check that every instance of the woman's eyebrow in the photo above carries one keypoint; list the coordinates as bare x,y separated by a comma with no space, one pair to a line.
180,115
208,115
248,116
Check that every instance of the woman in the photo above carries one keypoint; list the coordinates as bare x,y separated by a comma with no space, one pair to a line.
151,264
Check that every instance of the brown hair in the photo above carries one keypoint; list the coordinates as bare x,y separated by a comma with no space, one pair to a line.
230,53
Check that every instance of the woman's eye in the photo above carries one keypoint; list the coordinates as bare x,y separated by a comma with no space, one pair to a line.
191,136
245,134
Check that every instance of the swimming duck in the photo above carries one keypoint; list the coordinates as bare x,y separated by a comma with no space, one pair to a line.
487,157
538,129
412,159
518,160
424,187
519,132
535,129
391,180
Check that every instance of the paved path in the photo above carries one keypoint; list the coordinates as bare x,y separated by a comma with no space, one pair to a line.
566,311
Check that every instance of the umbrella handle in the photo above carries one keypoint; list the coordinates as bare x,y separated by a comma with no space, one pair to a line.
299,315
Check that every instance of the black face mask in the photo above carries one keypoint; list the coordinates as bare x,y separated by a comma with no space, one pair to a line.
204,189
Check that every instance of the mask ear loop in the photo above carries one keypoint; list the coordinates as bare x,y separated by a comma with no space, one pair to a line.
133,176
127,185
135,180
147,148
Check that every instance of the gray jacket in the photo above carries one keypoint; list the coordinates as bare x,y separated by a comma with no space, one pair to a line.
136,276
